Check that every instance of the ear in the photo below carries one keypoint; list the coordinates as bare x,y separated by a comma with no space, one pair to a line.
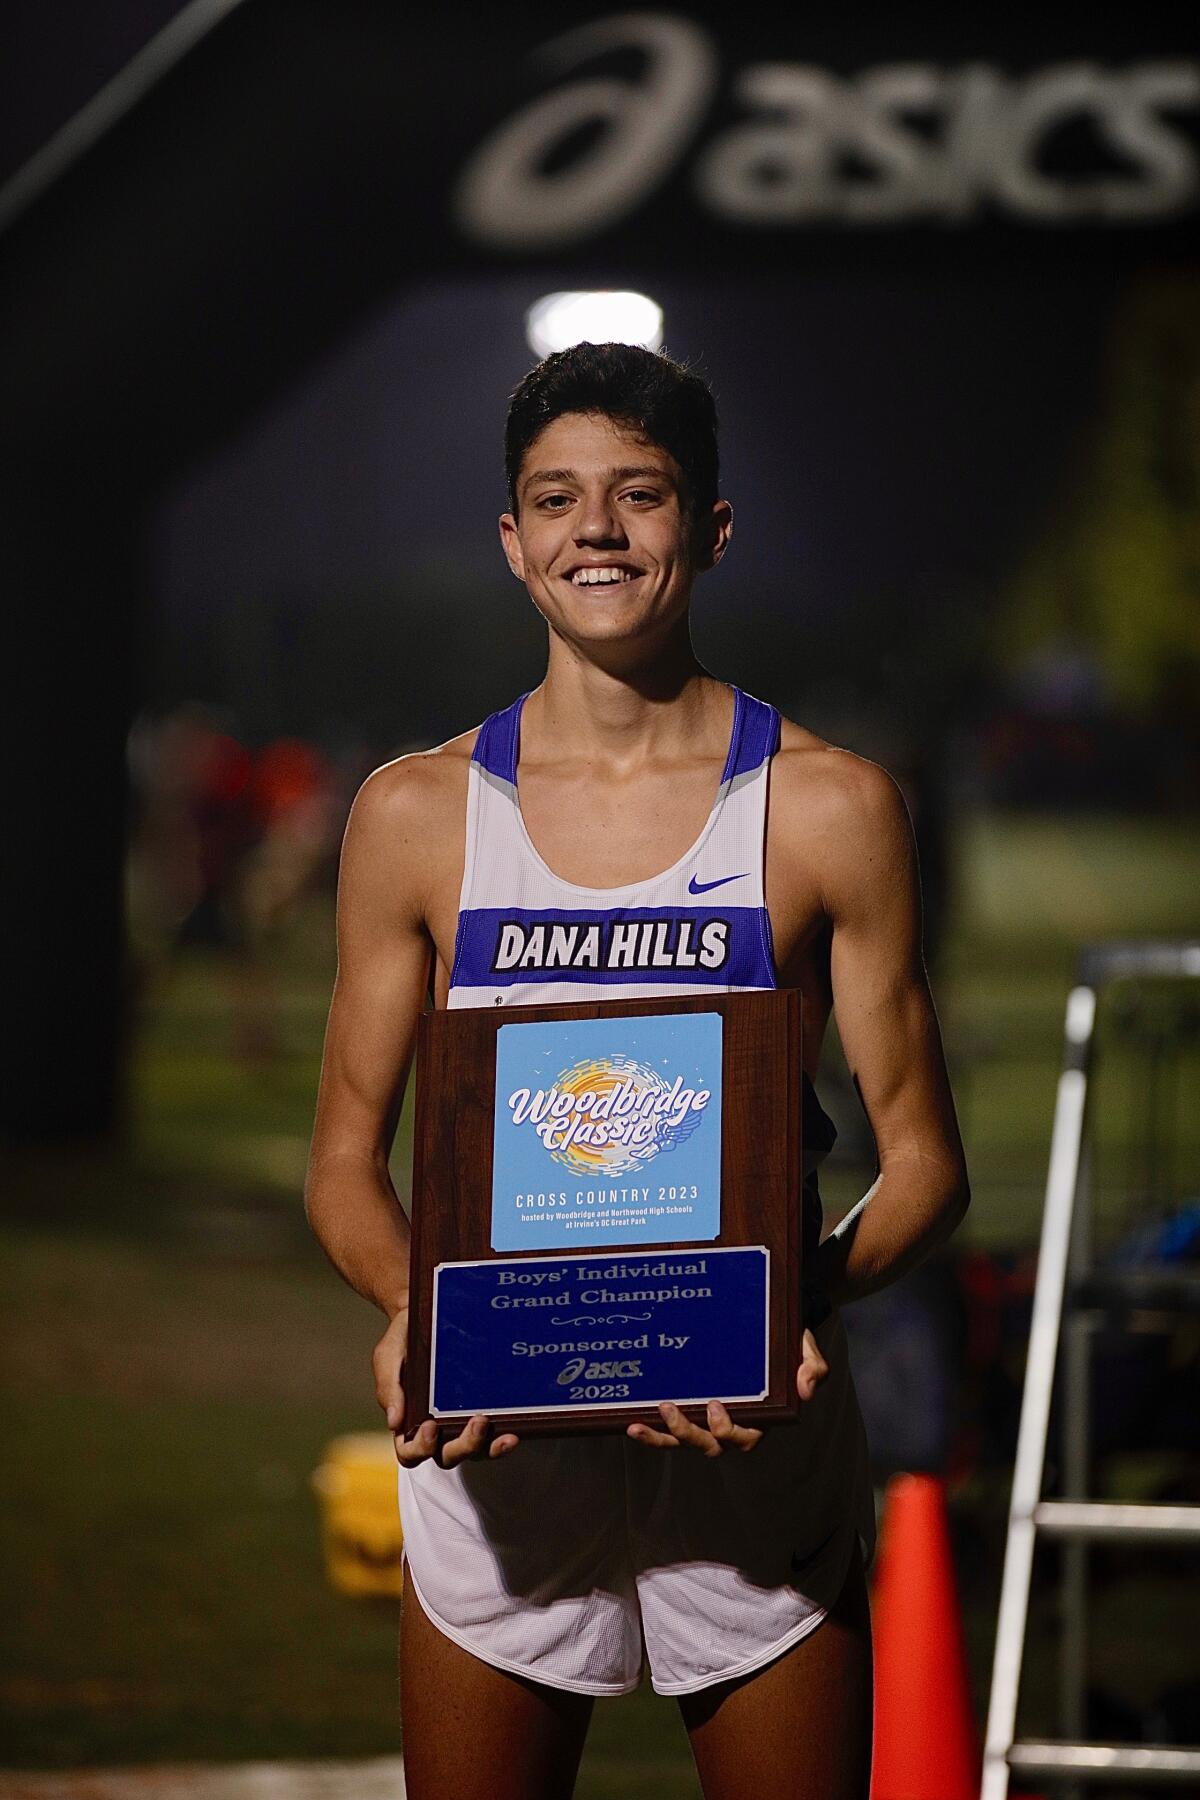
510,540
713,532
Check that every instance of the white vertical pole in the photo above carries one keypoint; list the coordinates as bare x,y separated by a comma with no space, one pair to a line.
1065,1145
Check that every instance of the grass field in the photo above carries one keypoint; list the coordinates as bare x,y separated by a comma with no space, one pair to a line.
165,1593
177,1353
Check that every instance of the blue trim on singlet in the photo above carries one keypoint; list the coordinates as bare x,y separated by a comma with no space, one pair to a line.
460,932
745,964
498,741
754,737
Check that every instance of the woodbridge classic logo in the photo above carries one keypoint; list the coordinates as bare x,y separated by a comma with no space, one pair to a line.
609,1114
894,144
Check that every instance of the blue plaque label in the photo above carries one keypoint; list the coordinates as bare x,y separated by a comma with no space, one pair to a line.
552,1334
607,1131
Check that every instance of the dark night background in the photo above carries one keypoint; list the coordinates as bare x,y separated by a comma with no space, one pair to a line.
887,465
255,371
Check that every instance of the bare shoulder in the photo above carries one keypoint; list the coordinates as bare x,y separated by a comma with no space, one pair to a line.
404,837
839,792
415,795
839,818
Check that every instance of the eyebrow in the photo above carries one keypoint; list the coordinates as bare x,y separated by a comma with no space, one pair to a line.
627,472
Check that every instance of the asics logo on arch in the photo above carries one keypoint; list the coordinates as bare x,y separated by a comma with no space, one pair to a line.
696,886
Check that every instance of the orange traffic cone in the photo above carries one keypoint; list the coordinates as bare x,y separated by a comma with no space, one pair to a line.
926,1744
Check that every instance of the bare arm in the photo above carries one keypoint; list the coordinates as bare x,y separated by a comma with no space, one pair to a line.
890,1036
384,956
383,963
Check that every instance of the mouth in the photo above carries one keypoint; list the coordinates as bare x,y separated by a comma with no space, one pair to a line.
605,575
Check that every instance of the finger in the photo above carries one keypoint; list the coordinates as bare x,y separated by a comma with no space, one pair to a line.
684,1432
391,1398
387,1374
646,1434
727,1434
420,1447
388,1361
501,1446
469,1442
808,1380
813,1368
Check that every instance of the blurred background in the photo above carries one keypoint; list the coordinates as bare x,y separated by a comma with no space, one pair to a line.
264,291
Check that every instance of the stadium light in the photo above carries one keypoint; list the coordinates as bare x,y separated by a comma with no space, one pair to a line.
557,321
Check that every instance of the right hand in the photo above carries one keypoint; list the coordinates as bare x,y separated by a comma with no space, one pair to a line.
474,1441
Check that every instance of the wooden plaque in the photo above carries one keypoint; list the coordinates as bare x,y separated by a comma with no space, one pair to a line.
453,1224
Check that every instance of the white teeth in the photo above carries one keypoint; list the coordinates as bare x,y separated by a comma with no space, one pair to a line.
607,577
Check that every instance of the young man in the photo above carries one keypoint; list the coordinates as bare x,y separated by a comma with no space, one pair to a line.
632,779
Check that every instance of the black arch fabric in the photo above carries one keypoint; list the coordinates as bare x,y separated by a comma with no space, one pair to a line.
302,161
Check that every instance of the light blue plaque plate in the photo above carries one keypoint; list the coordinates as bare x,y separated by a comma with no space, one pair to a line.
607,1131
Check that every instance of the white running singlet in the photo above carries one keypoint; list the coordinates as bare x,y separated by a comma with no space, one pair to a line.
555,1561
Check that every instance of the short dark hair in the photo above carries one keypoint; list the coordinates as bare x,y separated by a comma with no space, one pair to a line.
662,399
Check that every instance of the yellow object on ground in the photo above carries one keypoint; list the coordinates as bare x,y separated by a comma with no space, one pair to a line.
360,1513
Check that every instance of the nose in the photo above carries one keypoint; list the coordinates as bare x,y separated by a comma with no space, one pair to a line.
598,524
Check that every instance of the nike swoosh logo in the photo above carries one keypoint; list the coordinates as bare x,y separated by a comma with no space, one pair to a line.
704,887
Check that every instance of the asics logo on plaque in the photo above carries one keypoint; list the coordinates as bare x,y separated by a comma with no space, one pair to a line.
607,1115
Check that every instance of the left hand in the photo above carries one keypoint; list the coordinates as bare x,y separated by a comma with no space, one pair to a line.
722,1434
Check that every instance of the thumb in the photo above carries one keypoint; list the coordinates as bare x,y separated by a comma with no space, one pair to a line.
813,1367
389,1368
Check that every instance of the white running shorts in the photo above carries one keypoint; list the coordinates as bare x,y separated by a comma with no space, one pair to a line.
558,1561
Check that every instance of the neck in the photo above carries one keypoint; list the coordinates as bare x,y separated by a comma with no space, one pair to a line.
621,713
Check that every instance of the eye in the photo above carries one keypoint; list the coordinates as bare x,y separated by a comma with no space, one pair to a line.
553,502
640,495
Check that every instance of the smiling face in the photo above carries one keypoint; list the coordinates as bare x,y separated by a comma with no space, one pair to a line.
605,539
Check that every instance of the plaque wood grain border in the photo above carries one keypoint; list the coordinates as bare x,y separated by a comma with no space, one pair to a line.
761,1177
